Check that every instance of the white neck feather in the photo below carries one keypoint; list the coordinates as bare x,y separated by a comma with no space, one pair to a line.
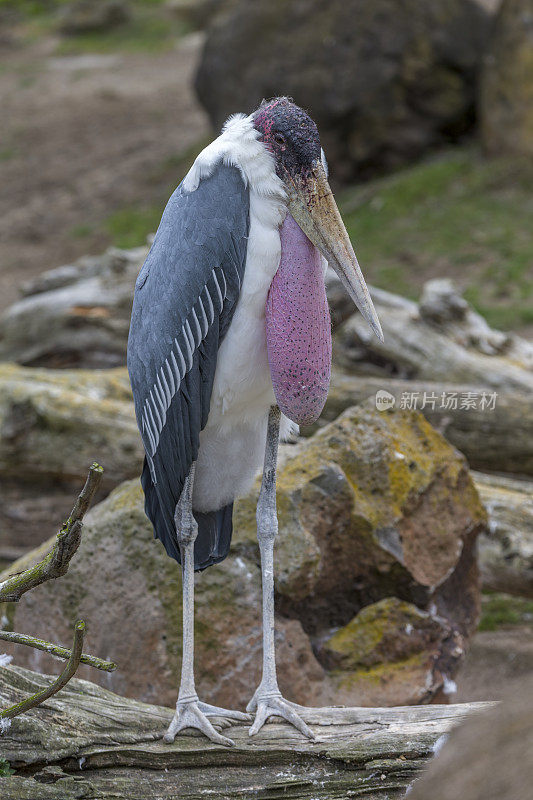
238,145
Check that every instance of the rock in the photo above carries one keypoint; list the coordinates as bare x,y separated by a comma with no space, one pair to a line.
506,103
90,16
388,651
129,592
53,425
488,756
88,742
74,316
506,547
442,339
384,81
494,430
374,506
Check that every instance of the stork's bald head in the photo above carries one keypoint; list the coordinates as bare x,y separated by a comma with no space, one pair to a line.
290,134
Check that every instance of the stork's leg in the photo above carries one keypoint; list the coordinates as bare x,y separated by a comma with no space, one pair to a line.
267,700
190,712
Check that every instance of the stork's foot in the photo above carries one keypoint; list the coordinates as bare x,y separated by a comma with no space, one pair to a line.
194,714
272,704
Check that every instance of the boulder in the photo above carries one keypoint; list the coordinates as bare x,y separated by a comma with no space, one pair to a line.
77,315
129,592
374,507
388,651
506,102
384,81
53,425
494,430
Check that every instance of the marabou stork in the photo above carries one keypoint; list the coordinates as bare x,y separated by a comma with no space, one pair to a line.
229,346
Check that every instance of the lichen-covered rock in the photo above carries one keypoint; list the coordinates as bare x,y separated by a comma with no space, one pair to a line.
77,315
53,425
373,506
129,592
507,82
494,430
388,652
383,80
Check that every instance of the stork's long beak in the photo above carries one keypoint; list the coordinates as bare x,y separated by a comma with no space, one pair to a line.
313,206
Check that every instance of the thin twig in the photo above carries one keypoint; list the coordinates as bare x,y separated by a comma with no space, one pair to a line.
56,650
57,561
62,680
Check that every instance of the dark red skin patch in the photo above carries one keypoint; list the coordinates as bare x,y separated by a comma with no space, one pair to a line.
298,328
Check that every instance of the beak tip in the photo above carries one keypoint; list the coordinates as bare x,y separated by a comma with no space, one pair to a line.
372,319
378,332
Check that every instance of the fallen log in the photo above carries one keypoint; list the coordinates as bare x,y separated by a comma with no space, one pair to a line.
89,743
439,339
495,434
506,548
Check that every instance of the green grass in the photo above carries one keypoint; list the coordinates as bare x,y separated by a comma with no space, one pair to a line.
147,32
502,610
129,227
152,28
456,216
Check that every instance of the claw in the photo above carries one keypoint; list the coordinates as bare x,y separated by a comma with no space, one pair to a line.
195,715
276,706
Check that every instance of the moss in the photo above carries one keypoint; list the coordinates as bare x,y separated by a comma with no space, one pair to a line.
5,769
389,631
381,673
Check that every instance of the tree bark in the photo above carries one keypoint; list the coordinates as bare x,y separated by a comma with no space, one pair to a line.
89,743
506,548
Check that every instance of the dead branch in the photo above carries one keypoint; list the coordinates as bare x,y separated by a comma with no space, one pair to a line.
57,561
62,680
56,650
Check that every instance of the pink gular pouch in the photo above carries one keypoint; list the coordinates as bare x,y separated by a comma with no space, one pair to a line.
298,328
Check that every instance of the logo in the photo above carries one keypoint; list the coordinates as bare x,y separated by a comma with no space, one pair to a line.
384,400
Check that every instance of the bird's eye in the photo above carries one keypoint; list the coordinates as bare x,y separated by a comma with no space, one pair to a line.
279,138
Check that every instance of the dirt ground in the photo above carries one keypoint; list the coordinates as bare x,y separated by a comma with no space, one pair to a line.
497,662
80,137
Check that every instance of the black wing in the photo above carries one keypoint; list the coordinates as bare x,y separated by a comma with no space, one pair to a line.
185,297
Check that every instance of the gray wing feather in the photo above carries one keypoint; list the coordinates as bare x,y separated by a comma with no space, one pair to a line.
185,297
